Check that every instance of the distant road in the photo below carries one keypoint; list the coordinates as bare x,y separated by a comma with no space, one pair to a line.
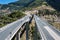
10,31
47,31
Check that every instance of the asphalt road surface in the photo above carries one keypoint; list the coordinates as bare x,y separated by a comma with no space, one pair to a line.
47,31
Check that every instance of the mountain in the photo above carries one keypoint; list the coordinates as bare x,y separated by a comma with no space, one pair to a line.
21,4
16,5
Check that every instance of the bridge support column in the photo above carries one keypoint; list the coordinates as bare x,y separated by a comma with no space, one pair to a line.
27,29
18,36
36,35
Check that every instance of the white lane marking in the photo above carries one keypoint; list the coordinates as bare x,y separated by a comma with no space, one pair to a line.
41,32
42,21
52,33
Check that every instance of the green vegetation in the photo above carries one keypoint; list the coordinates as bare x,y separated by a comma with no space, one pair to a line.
48,12
36,3
23,4
35,34
56,25
19,5
8,18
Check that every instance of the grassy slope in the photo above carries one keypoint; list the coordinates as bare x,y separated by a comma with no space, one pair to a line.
10,18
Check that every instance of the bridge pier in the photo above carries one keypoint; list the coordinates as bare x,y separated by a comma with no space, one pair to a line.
18,36
27,29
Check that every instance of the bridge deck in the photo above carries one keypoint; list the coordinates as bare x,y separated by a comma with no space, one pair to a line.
46,30
10,31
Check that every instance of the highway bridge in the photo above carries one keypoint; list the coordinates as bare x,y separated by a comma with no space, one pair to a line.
47,31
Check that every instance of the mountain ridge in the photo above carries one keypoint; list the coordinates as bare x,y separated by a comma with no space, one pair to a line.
14,5
21,4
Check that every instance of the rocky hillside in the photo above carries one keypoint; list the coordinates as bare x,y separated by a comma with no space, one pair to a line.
27,4
21,4
16,5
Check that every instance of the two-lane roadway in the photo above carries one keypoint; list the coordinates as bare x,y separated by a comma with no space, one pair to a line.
47,31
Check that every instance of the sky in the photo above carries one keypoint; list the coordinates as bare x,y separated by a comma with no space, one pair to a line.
6,1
